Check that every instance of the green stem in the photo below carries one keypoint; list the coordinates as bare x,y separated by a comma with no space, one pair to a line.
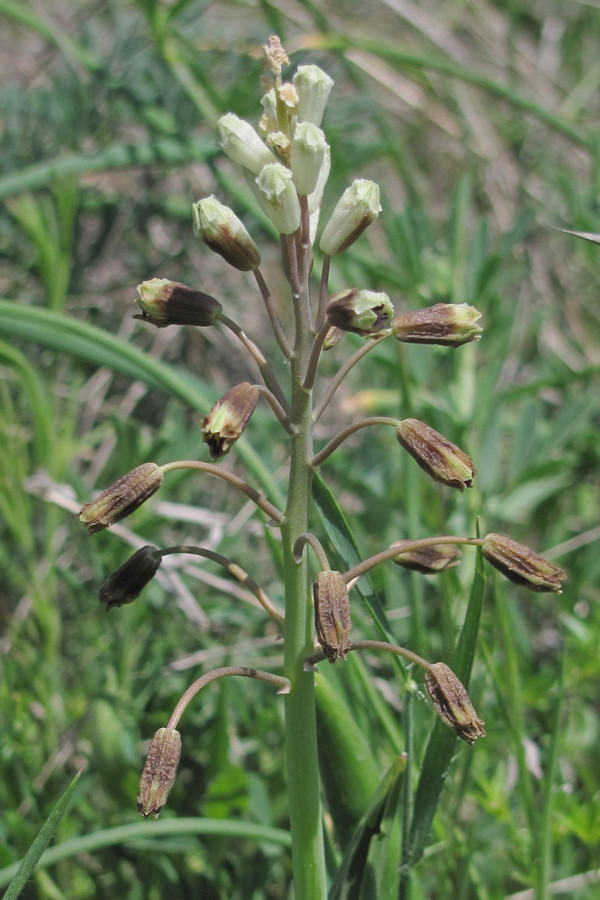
308,859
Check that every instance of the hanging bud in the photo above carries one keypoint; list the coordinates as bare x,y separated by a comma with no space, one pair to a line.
165,302
333,621
314,87
121,498
448,324
307,156
440,458
228,417
452,704
222,231
124,585
521,565
428,560
159,771
367,313
242,144
278,198
356,209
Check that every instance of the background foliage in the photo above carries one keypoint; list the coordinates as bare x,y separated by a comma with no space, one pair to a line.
480,122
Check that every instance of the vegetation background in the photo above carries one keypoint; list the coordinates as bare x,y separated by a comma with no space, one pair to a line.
480,122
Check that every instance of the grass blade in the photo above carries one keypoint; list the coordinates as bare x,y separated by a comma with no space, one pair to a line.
45,835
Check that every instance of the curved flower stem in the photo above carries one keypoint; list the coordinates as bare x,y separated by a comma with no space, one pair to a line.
313,362
411,657
323,293
341,374
278,680
404,547
272,313
335,442
265,369
308,538
237,573
277,408
258,498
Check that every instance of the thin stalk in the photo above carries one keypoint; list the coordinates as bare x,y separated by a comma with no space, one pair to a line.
308,858
335,442
265,369
239,483
280,682
323,293
404,547
407,797
277,408
315,543
408,655
272,313
237,572
313,362
341,374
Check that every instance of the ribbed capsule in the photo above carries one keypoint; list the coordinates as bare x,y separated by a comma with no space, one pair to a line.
333,621
122,498
160,769
428,560
521,565
228,417
451,702
447,324
439,457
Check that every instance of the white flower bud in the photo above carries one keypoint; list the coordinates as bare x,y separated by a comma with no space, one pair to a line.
242,144
355,210
313,86
278,198
222,231
307,156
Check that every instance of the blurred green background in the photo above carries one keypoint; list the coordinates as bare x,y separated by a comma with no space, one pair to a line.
480,122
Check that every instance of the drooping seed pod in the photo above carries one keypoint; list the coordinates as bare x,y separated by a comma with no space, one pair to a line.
164,302
451,702
228,417
428,560
447,324
122,498
158,775
124,585
521,565
436,455
333,620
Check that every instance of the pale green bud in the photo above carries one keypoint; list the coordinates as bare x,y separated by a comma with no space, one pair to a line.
314,199
222,231
307,156
242,144
268,120
278,198
355,210
313,86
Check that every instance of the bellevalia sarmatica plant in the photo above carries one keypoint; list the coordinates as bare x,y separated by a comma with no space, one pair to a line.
287,166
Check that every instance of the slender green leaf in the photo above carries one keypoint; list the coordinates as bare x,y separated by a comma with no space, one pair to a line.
147,831
442,740
33,855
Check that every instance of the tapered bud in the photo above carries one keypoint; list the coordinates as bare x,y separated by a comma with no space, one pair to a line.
159,771
124,585
449,324
367,313
438,456
222,231
121,498
307,156
165,302
428,560
452,704
521,565
242,144
278,198
332,614
228,418
314,87
356,209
